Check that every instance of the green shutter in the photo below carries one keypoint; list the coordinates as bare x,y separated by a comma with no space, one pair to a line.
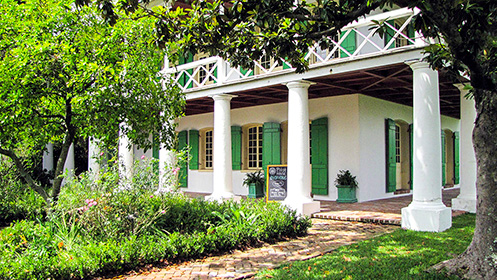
410,32
391,167
243,71
349,43
456,157
236,147
389,33
271,153
183,80
319,160
286,65
444,163
155,147
193,142
214,73
183,172
411,154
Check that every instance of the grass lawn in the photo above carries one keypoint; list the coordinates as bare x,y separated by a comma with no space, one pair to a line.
403,254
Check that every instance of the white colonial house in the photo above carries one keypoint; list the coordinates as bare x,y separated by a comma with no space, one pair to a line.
369,105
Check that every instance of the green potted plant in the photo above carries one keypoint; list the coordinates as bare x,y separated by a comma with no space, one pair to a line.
255,183
346,185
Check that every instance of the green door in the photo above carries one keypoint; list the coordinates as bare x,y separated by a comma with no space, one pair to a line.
456,157
349,43
319,159
271,153
391,166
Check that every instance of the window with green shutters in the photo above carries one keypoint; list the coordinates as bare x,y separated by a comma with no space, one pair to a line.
271,138
236,147
193,136
184,78
349,43
391,167
183,172
400,40
456,157
319,159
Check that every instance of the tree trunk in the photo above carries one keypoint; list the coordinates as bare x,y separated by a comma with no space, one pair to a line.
479,261
59,169
25,175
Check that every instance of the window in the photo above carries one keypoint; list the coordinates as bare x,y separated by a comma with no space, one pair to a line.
320,54
266,62
252,146
206,148
206,73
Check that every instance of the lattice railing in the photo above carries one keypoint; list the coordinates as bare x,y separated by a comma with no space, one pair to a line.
357,39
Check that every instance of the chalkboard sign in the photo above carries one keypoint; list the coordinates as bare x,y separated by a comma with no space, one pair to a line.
276,182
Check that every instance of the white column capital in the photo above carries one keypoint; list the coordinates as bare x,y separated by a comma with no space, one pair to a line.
299,84
417,64
223,96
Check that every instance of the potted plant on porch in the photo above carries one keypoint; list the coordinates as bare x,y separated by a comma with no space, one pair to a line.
255,183
346,185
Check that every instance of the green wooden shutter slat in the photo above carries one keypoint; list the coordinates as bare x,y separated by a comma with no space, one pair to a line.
155,147
410,33
389,33
456,157
444,163
215,73
243,71
271,153
194,149
236,147
286,65
183,172
411,154
183,80
391,167
349,43
319,159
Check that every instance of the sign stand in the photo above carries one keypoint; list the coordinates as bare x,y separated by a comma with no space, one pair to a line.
276,183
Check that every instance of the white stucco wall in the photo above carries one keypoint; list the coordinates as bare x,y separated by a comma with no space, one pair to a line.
356,139
373,112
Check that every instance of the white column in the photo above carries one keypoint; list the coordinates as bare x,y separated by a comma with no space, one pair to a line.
299,166
222,166
48,158
125,154
466,200
94,157
69,163
427,211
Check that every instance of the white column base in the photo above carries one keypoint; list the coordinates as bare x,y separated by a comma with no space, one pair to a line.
429,216
306,208
220,197
464,204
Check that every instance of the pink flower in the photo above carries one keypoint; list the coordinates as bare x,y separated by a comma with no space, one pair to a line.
176,170
90,202
151,196
102,153
143,157
163,212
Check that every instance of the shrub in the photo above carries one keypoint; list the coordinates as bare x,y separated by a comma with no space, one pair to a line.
102,226
17,201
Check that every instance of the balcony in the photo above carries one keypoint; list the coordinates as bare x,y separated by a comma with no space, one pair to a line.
357,40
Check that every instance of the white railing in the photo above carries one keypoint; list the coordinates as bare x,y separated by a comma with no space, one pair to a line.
356,40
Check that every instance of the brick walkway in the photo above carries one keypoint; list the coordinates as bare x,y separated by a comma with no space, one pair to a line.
324,236
385,211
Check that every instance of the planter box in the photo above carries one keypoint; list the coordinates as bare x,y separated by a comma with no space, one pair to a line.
256,190
346,194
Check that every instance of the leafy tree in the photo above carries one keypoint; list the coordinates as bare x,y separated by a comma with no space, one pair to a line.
65,74
243,30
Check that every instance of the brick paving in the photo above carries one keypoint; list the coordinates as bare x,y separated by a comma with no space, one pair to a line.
325,235
385,211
